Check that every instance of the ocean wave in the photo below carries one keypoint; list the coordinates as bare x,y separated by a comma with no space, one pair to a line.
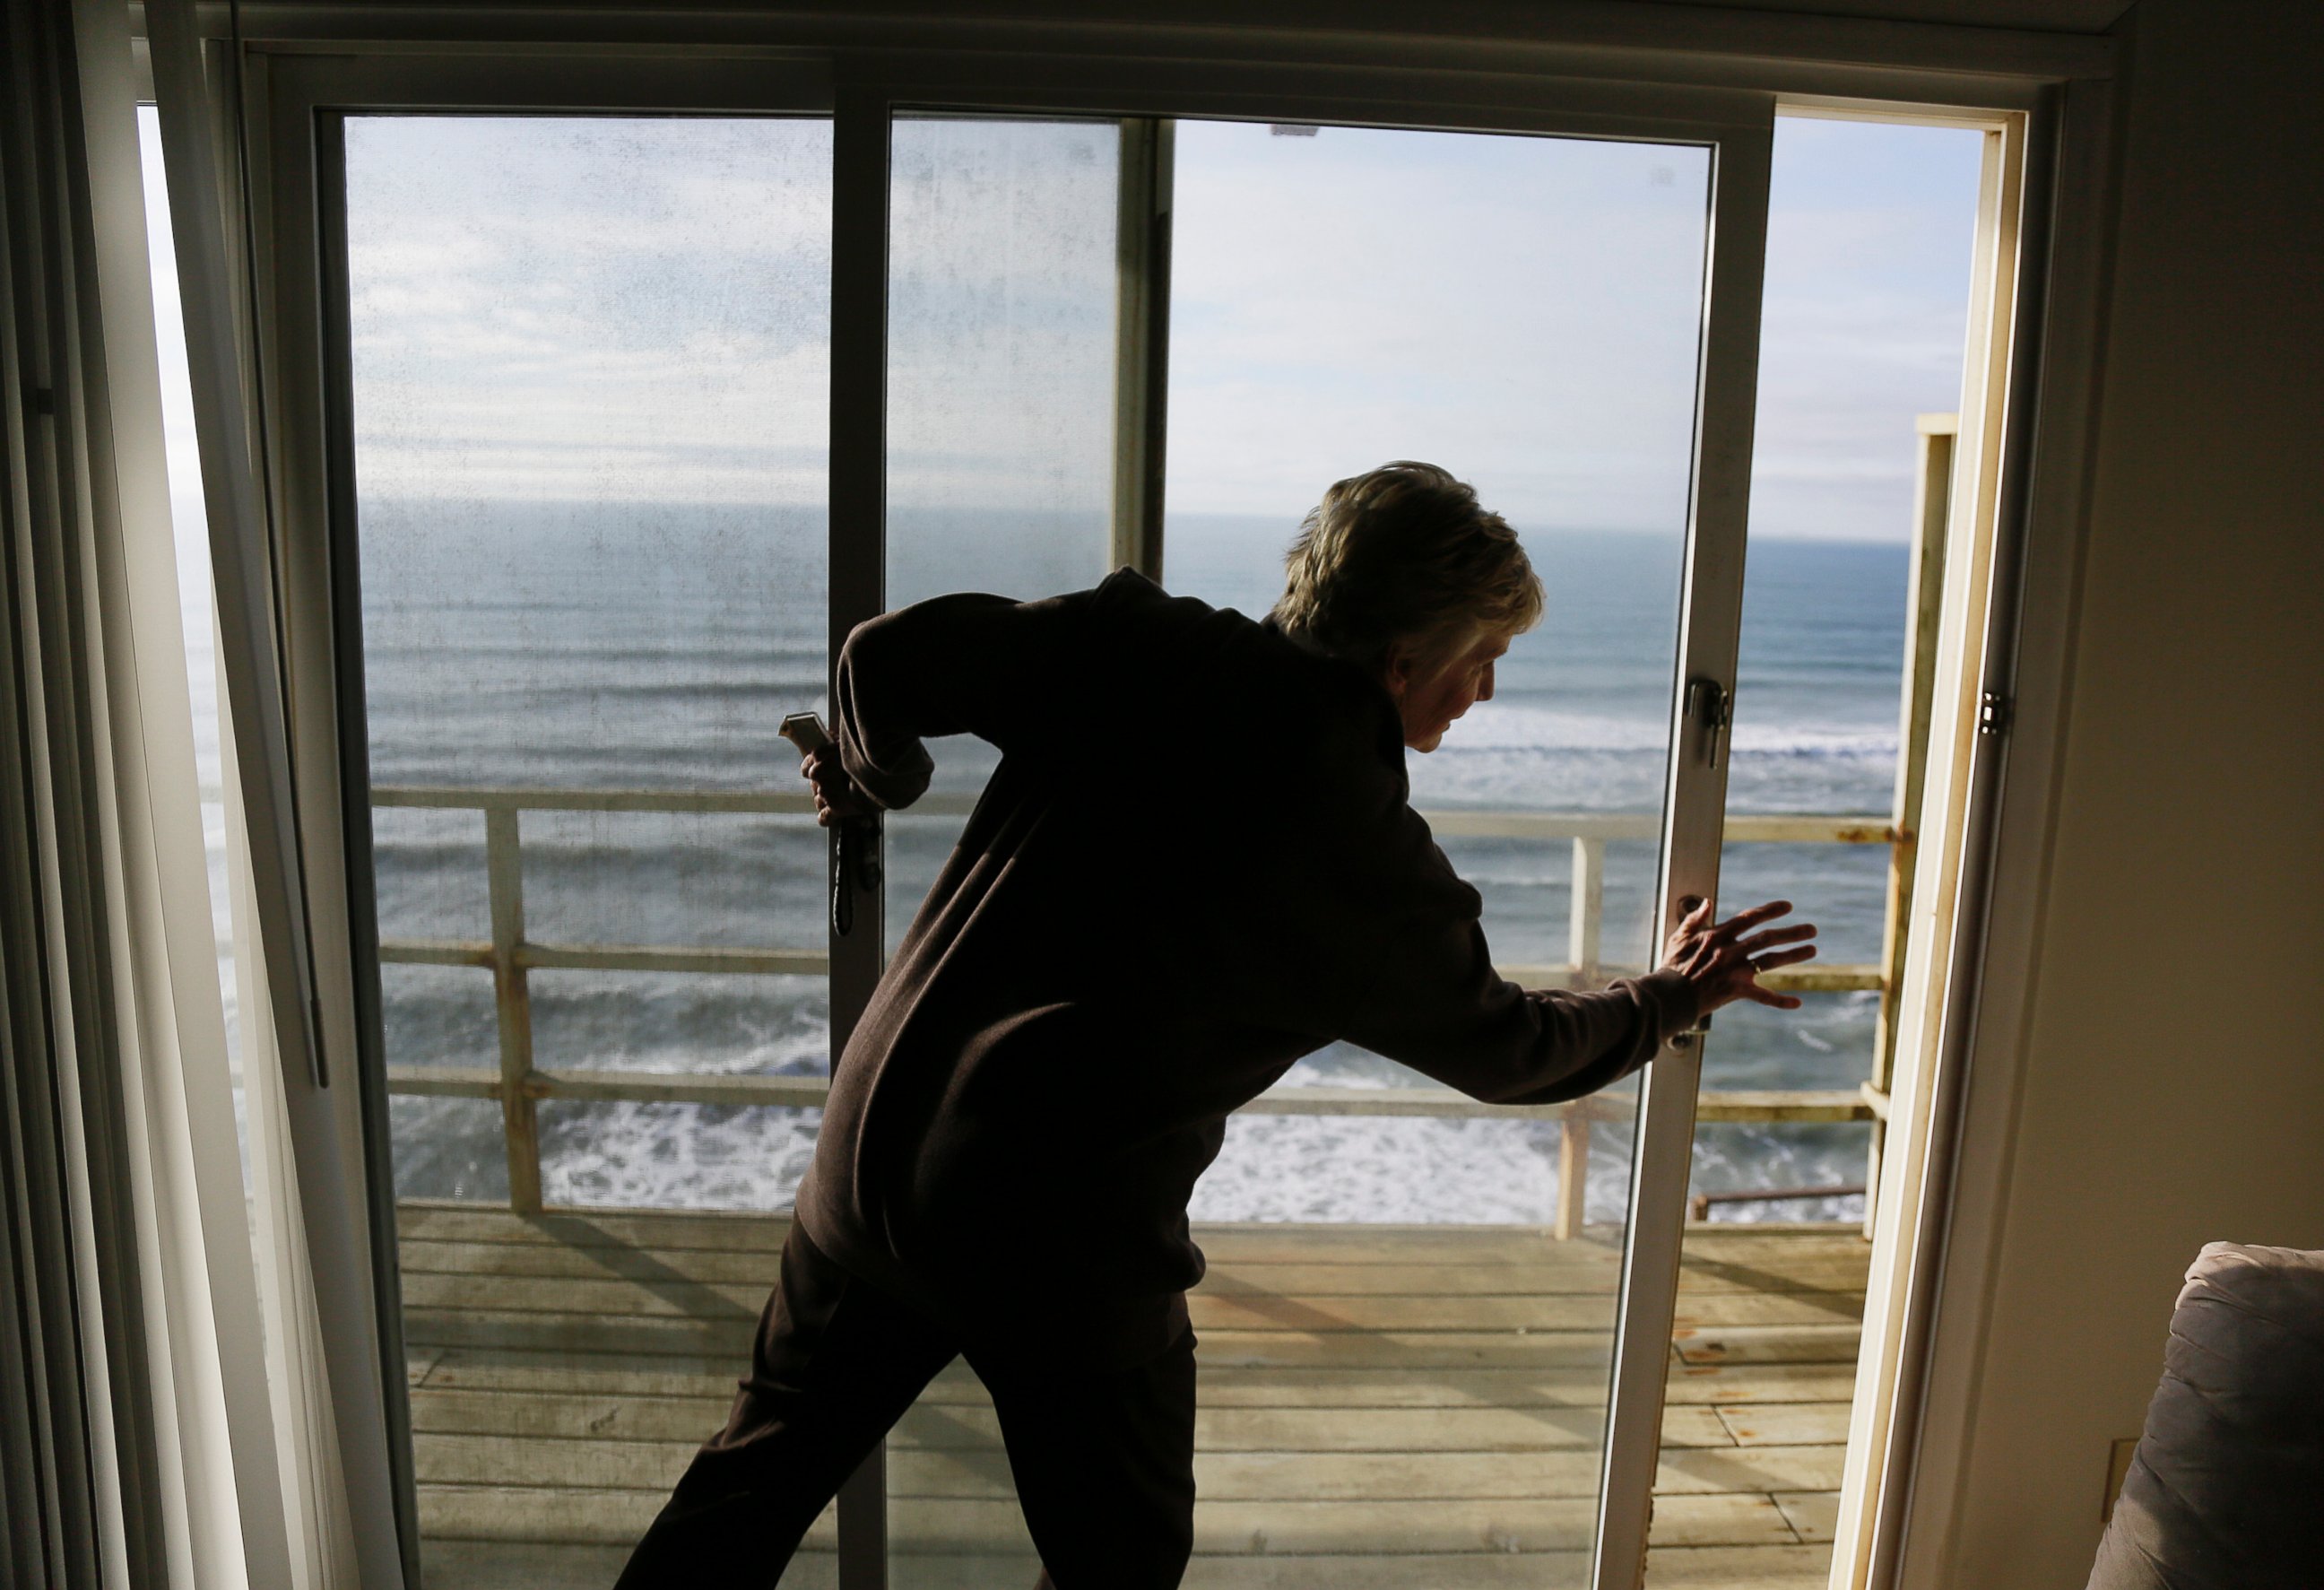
1736,1157
1498,727
1507,725
1335,1169
1399,1170
657,1156
1852,743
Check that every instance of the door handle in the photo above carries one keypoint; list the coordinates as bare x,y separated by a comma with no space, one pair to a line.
856,865
1712,705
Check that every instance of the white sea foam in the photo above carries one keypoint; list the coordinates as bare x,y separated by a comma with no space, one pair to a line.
1401,1170
657,1156
1274,1168
1545,733
1512,725
1743,1157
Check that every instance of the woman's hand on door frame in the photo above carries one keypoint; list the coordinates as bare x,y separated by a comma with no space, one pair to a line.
1724,960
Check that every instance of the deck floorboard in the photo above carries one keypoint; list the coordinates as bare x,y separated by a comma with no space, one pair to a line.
1380,1406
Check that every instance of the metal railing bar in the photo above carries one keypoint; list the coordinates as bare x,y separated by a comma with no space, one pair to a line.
656,958
1699,1207
1780,828
528,798
1835,977
747,959
608,1086
755,960
1784,828
436,952
443,1082
1839,977
1845,829
519,1087
1441,1103
612,1087
1787,1107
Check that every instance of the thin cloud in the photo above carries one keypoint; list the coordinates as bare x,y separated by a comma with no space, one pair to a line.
638,309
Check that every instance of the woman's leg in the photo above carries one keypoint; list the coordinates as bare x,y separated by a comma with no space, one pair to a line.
1104,1467
836,1362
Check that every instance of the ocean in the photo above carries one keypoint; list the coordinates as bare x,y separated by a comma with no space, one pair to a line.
627,645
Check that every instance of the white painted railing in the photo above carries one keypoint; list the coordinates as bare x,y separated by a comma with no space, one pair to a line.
511,956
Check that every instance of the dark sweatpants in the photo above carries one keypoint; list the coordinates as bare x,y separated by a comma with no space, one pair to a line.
1104,1463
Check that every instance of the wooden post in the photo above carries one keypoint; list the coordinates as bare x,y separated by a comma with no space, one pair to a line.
1585,932
1932,502
519,1122
1573,1171
1585,949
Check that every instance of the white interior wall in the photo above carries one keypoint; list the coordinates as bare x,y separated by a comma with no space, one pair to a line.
2173,1089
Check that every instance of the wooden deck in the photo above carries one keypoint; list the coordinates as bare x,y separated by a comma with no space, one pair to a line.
1417,1408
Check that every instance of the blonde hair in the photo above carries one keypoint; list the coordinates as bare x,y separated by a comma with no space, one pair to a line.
1405,554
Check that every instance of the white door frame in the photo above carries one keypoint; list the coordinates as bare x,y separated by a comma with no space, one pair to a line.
1568,69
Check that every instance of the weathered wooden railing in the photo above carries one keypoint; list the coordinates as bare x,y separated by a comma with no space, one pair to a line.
511,956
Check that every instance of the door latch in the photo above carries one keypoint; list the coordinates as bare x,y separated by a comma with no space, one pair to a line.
1712,705
1994,711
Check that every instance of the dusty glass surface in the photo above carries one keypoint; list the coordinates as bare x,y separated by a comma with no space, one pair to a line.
591,376
1000,354
1523,312
1526,313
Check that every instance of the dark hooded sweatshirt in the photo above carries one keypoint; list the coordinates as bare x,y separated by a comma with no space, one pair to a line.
1195,864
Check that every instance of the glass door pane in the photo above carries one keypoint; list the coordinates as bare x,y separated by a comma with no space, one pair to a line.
590,381
1408,1324
1861,354
1002,315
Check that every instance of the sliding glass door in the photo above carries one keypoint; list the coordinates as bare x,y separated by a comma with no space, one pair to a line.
1409,1332
1414,1297
1001,337
587,387
631,413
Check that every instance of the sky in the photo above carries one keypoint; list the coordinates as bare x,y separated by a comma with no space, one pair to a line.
1863,322
1523,311
1526,311
637,309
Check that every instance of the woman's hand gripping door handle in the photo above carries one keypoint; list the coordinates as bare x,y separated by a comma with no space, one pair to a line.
840,806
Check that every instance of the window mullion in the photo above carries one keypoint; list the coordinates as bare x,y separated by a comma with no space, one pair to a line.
1142,343
858,463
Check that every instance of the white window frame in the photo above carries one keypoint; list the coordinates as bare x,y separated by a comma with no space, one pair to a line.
1539,67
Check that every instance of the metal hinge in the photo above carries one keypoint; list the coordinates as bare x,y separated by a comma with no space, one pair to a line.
1713,706
1994,711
